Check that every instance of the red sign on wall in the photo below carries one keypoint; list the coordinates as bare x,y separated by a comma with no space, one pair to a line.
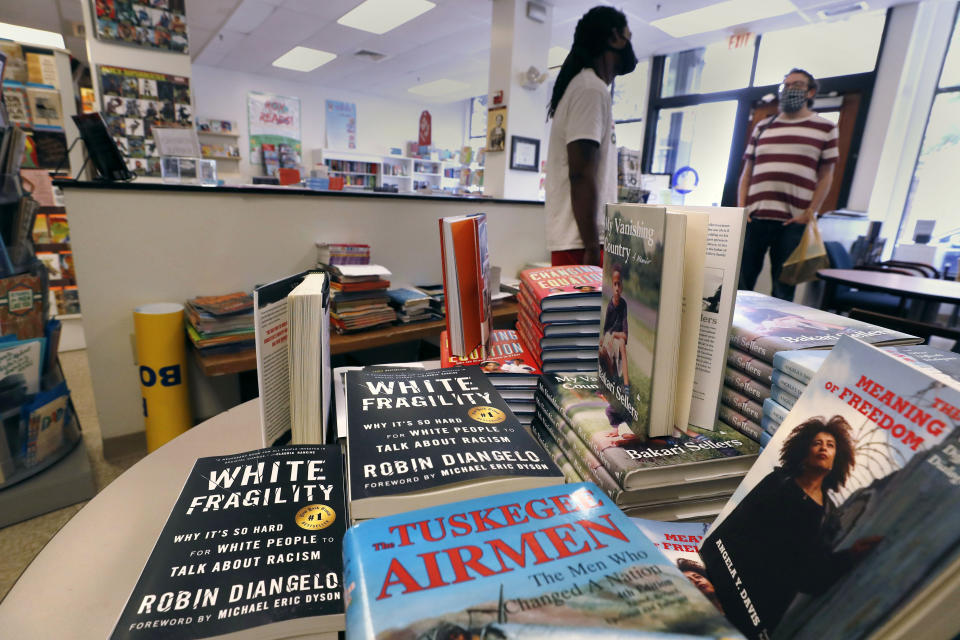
425,129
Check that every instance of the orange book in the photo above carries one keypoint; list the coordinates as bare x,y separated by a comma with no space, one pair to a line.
466,282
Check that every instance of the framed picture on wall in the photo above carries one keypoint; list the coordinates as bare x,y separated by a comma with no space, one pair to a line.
152,24
496,128
524,154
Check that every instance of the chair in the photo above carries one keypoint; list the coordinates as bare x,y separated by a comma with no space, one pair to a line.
846,297
914,327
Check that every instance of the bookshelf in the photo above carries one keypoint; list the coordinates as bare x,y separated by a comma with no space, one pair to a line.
222,146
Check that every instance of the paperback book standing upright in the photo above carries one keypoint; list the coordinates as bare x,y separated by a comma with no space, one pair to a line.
466,282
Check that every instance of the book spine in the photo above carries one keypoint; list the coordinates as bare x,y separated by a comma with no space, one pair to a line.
359,622
788,383
774,410
769,425
762,347
741,403
756,369
745,385
545,393
803,374
783,398
585,462
741,423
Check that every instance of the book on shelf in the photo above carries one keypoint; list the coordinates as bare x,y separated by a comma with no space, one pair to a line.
18,106
466,282
45,107
273,332
858,484
47,425
271,158
641,315
22,363
426,437
500,567
763,326
251,549
21,306
688,457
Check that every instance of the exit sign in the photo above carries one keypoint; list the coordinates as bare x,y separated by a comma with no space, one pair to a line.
738,40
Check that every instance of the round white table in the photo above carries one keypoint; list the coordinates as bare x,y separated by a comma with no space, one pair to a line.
78,585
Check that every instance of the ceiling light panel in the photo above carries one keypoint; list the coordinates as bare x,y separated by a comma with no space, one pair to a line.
27,35
303,59
380,16
721,15
438,88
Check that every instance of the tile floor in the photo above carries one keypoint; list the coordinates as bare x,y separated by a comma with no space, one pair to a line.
20,542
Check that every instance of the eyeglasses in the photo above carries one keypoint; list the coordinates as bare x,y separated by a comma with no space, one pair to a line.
794,85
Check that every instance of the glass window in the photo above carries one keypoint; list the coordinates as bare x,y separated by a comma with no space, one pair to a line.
707,69
630,93
698,137
630,134
950,76
825,49
933,192
478,117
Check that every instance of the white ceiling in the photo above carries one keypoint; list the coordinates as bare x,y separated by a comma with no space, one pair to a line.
451,40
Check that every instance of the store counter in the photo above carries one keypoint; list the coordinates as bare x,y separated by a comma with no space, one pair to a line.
77,586
135,243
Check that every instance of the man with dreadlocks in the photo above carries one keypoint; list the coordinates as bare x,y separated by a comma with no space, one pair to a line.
582,158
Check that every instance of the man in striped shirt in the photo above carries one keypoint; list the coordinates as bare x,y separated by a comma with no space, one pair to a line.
788,168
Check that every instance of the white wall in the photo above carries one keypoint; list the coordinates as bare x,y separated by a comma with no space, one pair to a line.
381,123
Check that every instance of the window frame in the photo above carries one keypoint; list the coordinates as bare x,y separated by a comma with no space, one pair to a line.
938,90
746,98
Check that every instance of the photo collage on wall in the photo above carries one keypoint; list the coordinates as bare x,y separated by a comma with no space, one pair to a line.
136,101
155,24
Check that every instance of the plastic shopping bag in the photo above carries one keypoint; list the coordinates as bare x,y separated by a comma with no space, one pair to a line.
809,257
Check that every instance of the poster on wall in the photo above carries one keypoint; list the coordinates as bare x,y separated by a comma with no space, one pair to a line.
134,102
273,120
153,24
341,125
496,128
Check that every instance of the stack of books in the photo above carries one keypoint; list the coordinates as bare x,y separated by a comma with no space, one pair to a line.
767,333
411,305
435,293
359,297
689,475
508,366
559,321
793,371
221,324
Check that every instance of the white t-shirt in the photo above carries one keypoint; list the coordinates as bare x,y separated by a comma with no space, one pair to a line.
585,112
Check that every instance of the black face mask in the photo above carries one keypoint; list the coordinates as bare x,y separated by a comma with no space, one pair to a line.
628,59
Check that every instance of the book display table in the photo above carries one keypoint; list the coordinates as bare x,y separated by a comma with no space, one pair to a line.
77,586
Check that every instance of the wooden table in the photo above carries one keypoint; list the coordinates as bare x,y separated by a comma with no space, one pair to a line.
218,365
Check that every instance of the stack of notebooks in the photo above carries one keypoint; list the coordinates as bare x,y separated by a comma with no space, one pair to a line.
411,305
221,324
507,365
766,334
559,322
687,476
359,297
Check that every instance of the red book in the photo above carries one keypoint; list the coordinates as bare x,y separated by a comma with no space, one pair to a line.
466,282
372,285
505,355
571,287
